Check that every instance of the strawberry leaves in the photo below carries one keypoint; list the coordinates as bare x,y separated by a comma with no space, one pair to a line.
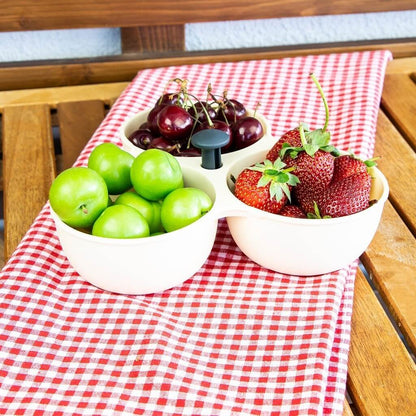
312,141
280,179
316,214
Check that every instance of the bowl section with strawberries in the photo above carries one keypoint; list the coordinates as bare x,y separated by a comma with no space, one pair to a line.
321,205
279,234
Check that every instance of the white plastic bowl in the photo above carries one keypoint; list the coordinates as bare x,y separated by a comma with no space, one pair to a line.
142,265
302,246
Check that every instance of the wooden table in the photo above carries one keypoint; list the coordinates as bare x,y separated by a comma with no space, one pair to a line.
382,373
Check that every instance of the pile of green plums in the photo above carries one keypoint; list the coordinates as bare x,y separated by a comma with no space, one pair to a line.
118,195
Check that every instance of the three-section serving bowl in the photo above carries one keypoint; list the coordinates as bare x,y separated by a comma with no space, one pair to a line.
294,246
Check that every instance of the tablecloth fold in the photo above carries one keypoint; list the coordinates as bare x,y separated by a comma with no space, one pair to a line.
235,339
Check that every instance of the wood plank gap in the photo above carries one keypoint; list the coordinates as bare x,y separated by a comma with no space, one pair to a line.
78,120
396,124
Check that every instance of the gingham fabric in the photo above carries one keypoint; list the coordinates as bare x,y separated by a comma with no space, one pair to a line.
235,339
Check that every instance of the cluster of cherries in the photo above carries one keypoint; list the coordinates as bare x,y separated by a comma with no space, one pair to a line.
176,116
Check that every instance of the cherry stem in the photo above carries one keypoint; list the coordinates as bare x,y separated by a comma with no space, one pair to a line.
256,108
318,85
209,121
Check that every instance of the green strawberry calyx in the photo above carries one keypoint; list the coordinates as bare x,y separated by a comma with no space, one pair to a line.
316,214
280,179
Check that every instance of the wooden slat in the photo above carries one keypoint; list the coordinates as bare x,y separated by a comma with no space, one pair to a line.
402,66
391,261
399,100
398,163
25,150
15,76
52,96
44,14
144,39
347,409
382,375
391,257
77,123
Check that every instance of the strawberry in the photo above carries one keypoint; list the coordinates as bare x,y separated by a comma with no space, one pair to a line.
312,160
346,165
313,164
291,138
314,173
293,211
346,196
265,186
329,185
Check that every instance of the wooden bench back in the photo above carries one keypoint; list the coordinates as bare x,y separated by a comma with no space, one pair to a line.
43,14
153,34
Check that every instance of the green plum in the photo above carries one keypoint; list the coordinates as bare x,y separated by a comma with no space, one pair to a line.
120,221
78,195
149,209
155,173
113,164
156,224
183,206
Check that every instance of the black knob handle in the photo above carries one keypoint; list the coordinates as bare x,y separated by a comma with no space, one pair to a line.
210,142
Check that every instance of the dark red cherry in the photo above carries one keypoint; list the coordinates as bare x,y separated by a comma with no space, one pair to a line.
141,138
187,152
246,131
144,126
152,119
198,113
162,143
231,111
174,123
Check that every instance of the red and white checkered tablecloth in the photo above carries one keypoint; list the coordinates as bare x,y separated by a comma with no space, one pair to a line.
235,339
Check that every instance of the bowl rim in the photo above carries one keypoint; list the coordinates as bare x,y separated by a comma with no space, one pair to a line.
209,216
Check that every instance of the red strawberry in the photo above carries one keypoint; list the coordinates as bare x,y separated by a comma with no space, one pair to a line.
265,186
313,160
291,137
346,165
346,196
293,211
314,173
